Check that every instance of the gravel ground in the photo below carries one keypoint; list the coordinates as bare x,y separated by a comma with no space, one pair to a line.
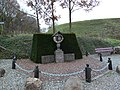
15,79
110,81
115,59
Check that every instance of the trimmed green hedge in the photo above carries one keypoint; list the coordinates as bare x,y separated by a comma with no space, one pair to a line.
89,44
43,44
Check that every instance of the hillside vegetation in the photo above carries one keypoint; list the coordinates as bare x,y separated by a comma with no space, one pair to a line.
90,34
101,28
19,45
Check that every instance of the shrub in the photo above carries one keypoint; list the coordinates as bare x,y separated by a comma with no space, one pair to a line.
43,44
20,45
89,44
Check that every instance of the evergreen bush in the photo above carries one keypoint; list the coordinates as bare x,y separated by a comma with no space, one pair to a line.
43,44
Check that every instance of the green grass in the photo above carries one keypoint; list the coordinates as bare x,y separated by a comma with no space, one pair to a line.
19,44
89,44
114,42
0,29
90,34
93,28
94,33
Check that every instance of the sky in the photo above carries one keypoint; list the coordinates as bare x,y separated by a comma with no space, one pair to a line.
106,9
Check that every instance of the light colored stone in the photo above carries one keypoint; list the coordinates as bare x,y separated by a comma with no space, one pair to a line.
51,58
69,57
118,69
117,49
59,56
33,84
48,59
2,72
73,83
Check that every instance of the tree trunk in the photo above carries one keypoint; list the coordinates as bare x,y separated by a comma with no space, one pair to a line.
37,18
70,16
38,21
53,20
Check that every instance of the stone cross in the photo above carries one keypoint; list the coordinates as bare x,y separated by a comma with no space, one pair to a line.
59,54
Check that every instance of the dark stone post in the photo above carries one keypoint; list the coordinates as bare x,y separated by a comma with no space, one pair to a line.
110,64
13,64
101,57
36,72
88,73
86,53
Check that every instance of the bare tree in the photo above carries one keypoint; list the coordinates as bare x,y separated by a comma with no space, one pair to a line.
74,5
23,23
16,20
8,12
46,10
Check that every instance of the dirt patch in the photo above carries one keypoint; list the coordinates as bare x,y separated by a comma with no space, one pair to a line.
64,68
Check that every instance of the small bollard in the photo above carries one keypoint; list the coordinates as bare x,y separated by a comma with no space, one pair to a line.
88,73
13,64
110,64
36,72
86,53
14,61
101,57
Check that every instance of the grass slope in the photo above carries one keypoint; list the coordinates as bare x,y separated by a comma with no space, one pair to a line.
86,31
94,28
19,44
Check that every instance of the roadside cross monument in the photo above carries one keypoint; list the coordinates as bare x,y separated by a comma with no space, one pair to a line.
59,54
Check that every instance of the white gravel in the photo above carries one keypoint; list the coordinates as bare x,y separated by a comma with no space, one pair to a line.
14,80
110,81
115,59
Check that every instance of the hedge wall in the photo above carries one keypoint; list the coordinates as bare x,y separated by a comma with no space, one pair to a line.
43,44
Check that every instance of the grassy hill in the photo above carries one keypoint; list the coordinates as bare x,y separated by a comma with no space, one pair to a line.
19,45
90,34
105,28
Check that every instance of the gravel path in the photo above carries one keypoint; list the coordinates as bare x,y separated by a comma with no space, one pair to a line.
15,79
115,59
110,81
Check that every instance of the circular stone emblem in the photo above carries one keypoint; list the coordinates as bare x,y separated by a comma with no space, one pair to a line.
58,38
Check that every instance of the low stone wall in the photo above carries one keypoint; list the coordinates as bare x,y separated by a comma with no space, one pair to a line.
51,58
69,57
47,59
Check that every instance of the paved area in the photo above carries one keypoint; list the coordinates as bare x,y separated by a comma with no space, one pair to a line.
115,59
110,81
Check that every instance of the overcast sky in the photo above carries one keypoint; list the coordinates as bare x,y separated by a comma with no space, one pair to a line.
106,9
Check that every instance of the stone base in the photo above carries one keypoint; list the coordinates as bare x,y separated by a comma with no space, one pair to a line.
51,58
59,56
47,59
69,57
